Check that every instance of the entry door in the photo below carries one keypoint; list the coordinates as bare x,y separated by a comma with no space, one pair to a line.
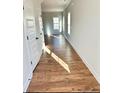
32,41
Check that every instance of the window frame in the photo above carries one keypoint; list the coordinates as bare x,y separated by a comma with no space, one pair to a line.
56,23
69,23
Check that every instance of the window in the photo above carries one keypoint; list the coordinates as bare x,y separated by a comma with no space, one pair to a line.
56,23
63,23
69,23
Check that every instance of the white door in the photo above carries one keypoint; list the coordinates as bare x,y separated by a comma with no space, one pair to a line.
27,68
32,40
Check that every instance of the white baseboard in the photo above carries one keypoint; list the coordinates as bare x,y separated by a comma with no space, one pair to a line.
25,86
85,62
91,69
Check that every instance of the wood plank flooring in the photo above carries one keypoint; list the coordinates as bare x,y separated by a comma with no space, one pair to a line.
51,76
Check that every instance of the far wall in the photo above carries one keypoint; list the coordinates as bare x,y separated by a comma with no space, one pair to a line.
48,22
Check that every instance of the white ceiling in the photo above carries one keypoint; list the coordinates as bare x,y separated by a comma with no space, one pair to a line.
54,5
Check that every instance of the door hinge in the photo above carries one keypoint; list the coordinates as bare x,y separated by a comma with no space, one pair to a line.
27,38
31,63
37,38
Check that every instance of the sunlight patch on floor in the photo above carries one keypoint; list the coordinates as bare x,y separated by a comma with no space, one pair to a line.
58,60
47,50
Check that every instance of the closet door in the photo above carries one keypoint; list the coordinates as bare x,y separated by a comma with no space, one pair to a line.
27,68
32,41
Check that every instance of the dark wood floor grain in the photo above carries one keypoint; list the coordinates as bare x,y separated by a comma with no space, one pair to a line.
52,73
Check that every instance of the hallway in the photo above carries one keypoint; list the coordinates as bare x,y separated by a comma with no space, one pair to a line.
60,69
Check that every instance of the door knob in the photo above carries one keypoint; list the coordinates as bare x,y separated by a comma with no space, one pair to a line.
37,38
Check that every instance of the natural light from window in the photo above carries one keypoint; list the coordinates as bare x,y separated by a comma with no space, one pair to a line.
69,23
58,60
63,23
56,23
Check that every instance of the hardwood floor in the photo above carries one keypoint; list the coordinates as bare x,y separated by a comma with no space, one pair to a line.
61,70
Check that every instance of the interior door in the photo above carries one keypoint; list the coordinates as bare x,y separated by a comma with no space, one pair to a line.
27,68
32,41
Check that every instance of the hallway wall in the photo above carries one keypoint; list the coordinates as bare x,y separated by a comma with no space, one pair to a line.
48,22
85,32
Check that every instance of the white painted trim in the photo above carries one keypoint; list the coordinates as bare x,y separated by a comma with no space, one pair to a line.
53,10
85,62
27,83
69,1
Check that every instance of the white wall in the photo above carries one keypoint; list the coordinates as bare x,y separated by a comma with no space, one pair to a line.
85,32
